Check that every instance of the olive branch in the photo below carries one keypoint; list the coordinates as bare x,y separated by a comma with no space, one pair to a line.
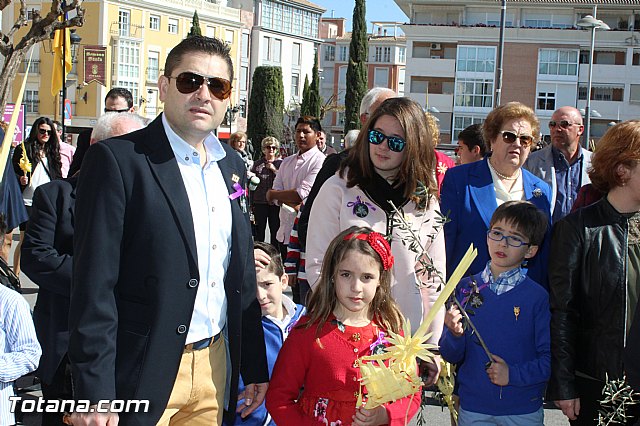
617,397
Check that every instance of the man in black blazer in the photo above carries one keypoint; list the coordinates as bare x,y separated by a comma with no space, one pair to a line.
47,255
163,275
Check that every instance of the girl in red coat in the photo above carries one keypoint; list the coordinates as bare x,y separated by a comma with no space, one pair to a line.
315,380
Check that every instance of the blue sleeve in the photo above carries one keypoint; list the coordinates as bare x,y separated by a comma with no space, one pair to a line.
449,199
538,370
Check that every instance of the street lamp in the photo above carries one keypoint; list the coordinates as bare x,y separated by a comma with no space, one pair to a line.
593,23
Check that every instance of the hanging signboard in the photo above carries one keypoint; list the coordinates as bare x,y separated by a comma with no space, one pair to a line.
95,64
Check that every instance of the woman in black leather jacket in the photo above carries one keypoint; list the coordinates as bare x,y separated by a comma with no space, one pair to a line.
594,274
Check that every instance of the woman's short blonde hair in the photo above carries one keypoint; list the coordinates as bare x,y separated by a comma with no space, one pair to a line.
270,140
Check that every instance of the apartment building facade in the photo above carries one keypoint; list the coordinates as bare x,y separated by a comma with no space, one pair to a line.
136,37
386,59
452,49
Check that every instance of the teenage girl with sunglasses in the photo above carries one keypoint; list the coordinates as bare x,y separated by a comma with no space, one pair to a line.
42,149
392,158
348,317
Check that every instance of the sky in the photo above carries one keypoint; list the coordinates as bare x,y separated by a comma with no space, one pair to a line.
377,10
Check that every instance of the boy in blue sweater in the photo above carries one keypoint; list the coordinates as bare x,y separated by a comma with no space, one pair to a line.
511,314
279,315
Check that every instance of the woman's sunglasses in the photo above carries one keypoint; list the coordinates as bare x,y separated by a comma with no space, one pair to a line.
45,132
269,147
395,144
188,82
510,137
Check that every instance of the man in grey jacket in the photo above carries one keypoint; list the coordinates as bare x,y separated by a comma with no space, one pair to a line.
564,163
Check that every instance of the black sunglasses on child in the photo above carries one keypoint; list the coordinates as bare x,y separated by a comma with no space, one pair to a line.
511,137
189,82
395,144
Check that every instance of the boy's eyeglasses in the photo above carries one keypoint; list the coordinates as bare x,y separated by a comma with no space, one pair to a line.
395,144
511,240
45,132
565,124
189,82
511,137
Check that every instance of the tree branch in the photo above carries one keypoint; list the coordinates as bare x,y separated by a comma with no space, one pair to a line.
43,27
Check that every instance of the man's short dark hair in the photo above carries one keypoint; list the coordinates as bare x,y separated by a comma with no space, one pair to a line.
312,121
529,220
472,137
120,92
275,266
194,44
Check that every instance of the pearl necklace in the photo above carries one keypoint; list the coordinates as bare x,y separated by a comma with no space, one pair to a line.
504,177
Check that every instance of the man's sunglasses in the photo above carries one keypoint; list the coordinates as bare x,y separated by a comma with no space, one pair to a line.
188,82
45,132
395,144
565,124
510,137
106,110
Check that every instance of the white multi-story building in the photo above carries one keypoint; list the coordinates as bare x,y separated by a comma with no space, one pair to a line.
285,34
385,65
452,48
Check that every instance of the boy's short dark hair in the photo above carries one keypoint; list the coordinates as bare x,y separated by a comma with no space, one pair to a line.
276,266
120,92
471,136
312,121
529,220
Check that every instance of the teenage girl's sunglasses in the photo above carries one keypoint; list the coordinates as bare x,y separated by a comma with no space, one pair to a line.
45,132
395,144
189,82
510,137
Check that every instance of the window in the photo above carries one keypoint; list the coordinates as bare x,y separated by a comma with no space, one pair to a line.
34,68
386,54
30,13
244,78
546,101
128,54
378,55
228,37
419,84
329,53
295,54
211,31
172,27
634,93
295,85
153,68
421,49
537,23
636,58
342,77
381,77
476,93
402,54
461,122
266,48
245,45
124,21
31,100
277,50
558,62
476,59
602,93
154,22
343,54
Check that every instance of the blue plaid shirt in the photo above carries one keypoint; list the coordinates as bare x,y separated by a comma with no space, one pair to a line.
506,281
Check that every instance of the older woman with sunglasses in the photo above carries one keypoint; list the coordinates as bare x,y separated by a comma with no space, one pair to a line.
392,165
472,192
266,169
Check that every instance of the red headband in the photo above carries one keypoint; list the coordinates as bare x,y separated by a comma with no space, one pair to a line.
379,244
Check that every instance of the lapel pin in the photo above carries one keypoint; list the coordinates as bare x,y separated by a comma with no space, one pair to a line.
516,311
235,178
537,192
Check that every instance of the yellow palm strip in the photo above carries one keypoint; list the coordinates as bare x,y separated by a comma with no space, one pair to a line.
8,135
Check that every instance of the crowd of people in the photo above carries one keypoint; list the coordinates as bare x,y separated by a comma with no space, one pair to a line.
159,282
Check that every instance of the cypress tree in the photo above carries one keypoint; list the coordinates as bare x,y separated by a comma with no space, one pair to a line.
195,26
314,90
305,105
357,69
266,106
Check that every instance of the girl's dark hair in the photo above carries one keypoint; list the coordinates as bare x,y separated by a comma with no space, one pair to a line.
419,162
51,148
383,309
